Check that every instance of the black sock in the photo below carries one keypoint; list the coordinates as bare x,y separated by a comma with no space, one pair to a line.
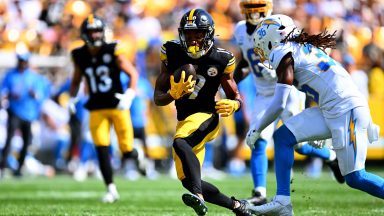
212,195
105,164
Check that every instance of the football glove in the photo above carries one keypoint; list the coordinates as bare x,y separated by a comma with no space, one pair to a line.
226,107
72,104
251,138
181,88
125,99
267,73
373,132
317,143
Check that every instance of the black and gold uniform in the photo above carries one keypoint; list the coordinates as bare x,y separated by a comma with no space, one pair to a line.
210,69
197,111
102,75
101,64
103,79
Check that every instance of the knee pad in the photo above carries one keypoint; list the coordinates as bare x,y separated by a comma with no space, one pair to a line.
284,136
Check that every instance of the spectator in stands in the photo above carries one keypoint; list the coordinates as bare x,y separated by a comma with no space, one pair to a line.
21,86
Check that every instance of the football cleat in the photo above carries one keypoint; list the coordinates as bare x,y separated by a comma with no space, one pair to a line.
257,198
110,197
334,166
196,203
274,208
242,210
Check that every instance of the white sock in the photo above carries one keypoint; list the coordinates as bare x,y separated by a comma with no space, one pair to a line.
112,188
285,200
332,155
262,190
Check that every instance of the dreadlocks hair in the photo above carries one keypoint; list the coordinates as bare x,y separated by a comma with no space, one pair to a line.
322,40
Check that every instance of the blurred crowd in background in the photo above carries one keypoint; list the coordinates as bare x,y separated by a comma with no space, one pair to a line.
49,30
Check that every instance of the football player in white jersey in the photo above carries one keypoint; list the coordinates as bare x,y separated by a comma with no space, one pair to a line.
342,113
255,11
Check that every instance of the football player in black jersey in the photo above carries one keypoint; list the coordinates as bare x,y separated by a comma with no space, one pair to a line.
101,64
197,111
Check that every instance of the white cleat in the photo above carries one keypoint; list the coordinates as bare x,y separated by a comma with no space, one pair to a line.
273,208
110,197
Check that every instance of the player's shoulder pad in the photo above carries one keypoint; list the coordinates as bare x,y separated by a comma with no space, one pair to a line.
228,58
239,31
168,46
119,47
77,53
278,53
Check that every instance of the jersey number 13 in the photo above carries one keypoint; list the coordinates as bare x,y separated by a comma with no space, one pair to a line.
99,79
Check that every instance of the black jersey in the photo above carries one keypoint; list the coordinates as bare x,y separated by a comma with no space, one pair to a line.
102,75
210,69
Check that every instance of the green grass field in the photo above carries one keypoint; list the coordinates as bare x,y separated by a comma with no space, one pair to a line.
64,196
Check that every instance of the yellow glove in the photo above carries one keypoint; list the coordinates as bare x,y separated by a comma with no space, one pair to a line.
181,88
226,107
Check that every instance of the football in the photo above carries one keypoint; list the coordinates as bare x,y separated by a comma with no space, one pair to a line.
189,70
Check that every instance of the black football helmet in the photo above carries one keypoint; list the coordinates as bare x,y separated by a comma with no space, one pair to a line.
93,24
197,20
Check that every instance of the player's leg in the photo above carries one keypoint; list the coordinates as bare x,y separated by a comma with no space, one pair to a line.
124,130
12,124
296,105
188,153
350,141
99,126
306,126
259,160
325,153
26,133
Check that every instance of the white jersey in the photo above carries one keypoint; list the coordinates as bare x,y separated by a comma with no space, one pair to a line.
321,78
245,42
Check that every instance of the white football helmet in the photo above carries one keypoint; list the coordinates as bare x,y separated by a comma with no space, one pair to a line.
270,32
256,10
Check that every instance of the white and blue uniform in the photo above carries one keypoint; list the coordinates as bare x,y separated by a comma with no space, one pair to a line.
342,113
265,87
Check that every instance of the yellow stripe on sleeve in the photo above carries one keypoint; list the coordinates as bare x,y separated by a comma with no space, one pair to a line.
230,66
163,54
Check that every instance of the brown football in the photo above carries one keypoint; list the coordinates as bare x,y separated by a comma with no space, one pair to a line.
189,70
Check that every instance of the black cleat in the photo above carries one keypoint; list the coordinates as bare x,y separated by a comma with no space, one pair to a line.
334,166
257,199
196,203
242,210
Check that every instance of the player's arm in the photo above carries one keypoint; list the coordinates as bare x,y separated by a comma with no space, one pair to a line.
226,107
76,79
241,70
161,95
127,67
283,88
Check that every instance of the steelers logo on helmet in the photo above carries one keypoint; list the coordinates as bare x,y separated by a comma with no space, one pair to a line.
196,33
92,31
256,10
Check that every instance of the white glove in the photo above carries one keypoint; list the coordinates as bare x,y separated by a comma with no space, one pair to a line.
72,104
267,73
251,138
373,132
125,99
317,143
